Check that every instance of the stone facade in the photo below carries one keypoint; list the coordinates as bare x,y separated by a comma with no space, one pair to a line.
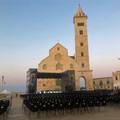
105,83
116,79
59,61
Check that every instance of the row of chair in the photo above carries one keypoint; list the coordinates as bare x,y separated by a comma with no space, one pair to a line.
4,104
64,102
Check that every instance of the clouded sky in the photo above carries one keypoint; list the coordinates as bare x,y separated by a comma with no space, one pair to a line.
29,28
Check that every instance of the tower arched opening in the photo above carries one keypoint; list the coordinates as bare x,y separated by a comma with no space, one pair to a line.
82,83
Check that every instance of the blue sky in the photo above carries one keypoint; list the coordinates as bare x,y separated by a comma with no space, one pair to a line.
29,28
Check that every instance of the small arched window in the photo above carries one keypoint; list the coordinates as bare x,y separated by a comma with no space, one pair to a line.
44,67
71,66
101,83
59,66
108,82
58,48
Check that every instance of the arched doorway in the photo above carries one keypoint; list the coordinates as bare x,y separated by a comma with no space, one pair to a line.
82,83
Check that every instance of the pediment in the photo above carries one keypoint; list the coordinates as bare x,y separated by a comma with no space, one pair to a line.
58,48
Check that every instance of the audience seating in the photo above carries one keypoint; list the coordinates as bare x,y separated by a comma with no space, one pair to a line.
69,102
4,104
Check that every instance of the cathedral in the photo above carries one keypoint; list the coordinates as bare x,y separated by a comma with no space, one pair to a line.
59,71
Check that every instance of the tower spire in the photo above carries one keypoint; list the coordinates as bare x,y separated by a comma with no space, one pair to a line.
79,12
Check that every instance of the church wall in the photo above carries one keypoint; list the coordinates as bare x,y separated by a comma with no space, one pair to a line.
56,57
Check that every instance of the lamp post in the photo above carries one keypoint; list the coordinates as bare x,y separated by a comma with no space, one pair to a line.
2,82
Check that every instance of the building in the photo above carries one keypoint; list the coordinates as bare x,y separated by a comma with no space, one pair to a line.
31,80
58,62
105,83
59,71
116,80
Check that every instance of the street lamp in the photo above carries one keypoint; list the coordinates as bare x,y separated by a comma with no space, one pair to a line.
3,82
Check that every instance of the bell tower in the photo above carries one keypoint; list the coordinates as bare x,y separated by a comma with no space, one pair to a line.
81,49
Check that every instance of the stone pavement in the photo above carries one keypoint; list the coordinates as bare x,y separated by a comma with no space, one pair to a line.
16,112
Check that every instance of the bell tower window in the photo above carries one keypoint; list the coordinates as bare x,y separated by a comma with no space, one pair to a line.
81,32
80,24
82,54
82,65
81,44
